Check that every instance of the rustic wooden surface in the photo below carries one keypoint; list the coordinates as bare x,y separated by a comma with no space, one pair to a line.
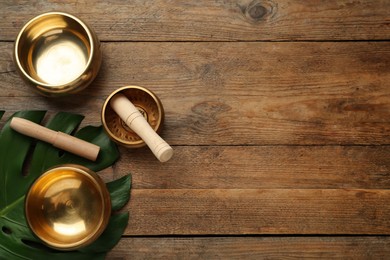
278,112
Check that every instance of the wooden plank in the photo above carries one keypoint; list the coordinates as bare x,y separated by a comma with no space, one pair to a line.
258,211
252,167
243,93
228,20
251,248
272,167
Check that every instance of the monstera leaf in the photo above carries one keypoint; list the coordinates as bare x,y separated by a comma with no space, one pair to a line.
18,170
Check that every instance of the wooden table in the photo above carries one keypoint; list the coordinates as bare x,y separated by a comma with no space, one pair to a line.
278,112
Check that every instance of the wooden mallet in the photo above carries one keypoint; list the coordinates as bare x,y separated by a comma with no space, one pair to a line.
135,120
57,139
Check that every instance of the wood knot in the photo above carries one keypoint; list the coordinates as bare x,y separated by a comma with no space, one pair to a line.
257,10
209,117
211,109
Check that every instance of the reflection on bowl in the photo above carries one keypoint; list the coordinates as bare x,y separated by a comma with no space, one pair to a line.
57,54
68,207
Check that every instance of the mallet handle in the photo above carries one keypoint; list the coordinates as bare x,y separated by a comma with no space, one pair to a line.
134,119
57,139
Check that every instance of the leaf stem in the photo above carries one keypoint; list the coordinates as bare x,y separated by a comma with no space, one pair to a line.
9,207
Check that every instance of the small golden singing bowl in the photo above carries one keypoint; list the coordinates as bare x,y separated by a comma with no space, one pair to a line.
57,54
147,103
68,207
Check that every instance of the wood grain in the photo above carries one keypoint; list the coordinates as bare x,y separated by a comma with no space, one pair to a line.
268,167
221,20
278,113
280,167
197,122
243,93
253,167
251,248
258,211
263,70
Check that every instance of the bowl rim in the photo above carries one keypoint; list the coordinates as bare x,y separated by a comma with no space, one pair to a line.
46,86
106,212
141,142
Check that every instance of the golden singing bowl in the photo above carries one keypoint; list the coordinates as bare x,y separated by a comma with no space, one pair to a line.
68,207
147,103
57,54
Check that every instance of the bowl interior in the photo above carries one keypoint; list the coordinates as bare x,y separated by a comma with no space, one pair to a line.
149,106
67,208
54,49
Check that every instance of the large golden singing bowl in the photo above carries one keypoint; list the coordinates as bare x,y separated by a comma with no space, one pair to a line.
68,207
147,103
57,54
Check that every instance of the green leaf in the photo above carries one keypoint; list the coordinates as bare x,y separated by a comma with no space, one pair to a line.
109,238
13,151
16,239
118,191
